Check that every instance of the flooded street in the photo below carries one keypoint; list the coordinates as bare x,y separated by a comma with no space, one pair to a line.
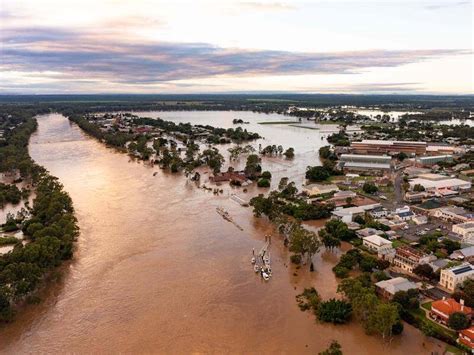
157,270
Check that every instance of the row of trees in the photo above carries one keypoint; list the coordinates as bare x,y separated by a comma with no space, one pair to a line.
50,230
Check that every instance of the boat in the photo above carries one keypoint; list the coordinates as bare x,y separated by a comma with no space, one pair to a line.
253,261
265,276
256,268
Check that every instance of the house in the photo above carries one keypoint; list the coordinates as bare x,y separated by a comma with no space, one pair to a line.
456,275
376,243
341,198
379,212
438,264
362,233
393,224
387,288
466,231
347,214
454,214
407,258
413,197
466,337
442,309
466,254
404,216
229,176
420,219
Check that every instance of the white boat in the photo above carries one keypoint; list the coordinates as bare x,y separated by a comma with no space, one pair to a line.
265,276
253,261
256,268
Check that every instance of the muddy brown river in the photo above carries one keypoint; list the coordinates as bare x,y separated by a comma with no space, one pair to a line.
157,270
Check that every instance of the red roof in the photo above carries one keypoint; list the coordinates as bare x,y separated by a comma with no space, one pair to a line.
468,333
450,306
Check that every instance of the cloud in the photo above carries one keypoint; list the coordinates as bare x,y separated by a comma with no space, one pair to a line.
266,6
443,5
103,58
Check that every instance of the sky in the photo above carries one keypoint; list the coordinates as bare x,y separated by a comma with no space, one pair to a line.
319,46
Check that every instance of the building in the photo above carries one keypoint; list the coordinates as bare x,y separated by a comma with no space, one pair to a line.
466,337
355,162
229,176
347,214
465,254
379,212
420,219
404,216
453,214
319,189
437,182
442,309
376,243
414,197
408,258
466,231
434,159
388,288
456,275
369,146
341,198
438,264
365,232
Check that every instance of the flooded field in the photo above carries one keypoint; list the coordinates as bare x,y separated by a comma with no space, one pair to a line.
157,270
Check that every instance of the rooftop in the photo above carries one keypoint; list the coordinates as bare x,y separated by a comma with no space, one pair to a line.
377,240
392,286
450,306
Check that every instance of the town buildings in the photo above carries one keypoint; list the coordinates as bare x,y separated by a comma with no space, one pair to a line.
408,258
432,160
465,254
369,146
376,243
466,231
437,183
456,275
466,337
387,288
364,163
442,309
453,214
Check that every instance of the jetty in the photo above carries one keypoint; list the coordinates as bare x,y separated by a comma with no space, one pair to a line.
221,211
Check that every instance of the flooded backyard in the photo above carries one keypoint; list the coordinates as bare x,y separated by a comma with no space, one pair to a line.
157,270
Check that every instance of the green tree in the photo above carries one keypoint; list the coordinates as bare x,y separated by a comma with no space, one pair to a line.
458,321
252,167
317,173
382,320
369,188
263,182
334,311
289,153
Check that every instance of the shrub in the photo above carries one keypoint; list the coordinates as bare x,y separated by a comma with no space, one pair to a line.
334,311
266,175
295,259
263,183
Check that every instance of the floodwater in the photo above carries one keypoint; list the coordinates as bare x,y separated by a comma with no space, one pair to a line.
157,270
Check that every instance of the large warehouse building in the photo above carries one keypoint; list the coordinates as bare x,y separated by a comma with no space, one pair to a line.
368,146
356,162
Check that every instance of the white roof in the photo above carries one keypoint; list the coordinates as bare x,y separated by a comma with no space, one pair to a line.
440,184
392,286
377,240
354,210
